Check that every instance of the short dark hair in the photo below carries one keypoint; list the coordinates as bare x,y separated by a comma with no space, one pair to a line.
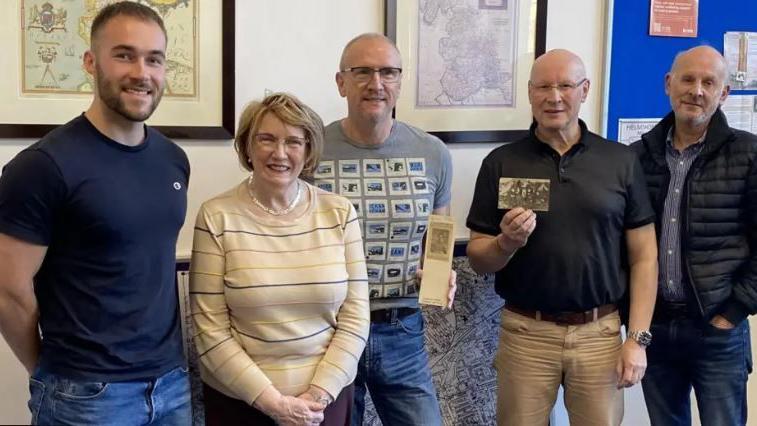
124,8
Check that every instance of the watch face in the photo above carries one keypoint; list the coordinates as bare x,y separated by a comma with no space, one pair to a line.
644,338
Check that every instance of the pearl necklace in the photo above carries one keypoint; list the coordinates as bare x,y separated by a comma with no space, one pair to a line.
269,210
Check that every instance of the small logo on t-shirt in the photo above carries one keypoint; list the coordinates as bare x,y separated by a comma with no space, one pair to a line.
176,186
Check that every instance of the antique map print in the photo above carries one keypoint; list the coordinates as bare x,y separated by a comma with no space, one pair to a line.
56,35
466,53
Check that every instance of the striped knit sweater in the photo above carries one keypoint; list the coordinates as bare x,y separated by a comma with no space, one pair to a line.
281,303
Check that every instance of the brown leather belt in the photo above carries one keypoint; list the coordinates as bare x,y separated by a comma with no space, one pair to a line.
566,318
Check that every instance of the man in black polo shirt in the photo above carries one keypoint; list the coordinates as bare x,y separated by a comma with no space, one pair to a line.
702,176
561,272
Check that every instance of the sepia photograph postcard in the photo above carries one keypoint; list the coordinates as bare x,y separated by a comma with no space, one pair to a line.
530,194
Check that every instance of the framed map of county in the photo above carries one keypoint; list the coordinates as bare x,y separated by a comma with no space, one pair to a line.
465,65
44,42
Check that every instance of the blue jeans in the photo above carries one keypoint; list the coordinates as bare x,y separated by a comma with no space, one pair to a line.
394,368
60,401
688,353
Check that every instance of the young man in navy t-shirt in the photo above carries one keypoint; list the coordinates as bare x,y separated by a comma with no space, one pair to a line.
89,217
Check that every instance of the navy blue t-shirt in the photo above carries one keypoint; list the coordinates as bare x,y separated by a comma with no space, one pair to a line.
110,216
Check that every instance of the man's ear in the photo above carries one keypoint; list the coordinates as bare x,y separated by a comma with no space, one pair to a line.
89,62
340,84
668,76
585,90
724,93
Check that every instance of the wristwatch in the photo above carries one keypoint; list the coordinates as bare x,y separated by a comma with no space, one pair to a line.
642,337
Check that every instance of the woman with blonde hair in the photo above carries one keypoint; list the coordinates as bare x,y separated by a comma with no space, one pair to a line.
278,281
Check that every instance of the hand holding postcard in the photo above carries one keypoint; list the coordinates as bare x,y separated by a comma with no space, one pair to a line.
532,194
437,261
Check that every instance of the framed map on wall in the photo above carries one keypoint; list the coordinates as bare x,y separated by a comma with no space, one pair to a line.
56,36
465,65
45,41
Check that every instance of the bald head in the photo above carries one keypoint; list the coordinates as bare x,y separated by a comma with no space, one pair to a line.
367,41
704,55
555,61
557,88
696,86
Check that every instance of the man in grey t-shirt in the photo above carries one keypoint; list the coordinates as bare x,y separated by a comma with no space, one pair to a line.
396,176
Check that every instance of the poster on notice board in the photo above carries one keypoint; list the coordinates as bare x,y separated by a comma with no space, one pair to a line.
673,18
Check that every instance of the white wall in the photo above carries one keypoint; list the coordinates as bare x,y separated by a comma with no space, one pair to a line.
294,46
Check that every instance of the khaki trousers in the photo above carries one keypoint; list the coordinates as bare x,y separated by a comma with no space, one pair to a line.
535,357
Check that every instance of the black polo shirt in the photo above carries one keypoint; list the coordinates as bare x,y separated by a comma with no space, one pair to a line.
573,260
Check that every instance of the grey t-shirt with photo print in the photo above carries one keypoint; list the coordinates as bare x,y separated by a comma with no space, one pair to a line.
394,188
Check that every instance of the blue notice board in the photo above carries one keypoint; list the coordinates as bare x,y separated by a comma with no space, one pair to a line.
638,61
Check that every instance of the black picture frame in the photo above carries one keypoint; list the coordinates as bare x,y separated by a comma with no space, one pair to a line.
223,131
477,136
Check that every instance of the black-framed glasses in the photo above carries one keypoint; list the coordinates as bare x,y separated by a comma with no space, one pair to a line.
564,87
365,74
